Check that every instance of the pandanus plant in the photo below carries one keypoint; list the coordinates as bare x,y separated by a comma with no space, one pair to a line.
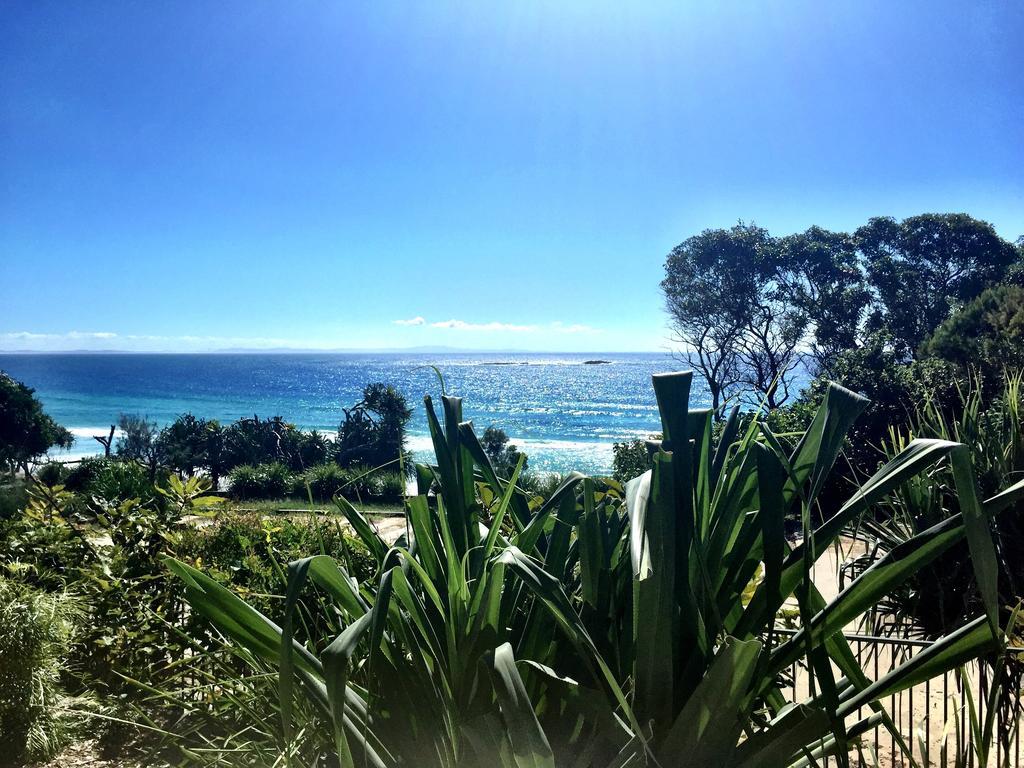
613,628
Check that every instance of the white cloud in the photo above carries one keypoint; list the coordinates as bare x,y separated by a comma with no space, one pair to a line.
462,325
411,321
70,335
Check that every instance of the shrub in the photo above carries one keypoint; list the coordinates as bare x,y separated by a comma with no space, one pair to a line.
118,481
82,474
367,483
36,629
504,455
52,473
249,551
263,481
324,481
630,459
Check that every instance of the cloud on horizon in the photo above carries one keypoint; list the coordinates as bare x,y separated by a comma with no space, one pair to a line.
497,327
48,339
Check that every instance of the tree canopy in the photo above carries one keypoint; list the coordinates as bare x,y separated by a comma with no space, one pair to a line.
926,267
26,432
749,308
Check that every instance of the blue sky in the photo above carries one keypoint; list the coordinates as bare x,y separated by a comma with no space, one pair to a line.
181,176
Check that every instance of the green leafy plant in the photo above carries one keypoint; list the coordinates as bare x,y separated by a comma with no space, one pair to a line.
36,629
606,627
265,481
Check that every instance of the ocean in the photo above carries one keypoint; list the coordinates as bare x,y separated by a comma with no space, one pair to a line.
564,413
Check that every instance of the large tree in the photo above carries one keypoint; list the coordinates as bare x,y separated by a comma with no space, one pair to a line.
730,299
26,432
926,267
819,272
710,286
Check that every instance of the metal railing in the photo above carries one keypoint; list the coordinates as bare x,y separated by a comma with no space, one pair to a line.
933,718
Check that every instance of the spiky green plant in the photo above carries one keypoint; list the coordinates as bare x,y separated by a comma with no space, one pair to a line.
592,632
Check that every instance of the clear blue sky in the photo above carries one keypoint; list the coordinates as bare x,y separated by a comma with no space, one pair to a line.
194,175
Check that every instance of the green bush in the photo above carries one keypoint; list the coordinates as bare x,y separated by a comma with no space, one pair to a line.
323,481
118,481
580,632
630,459
249,551
36,630
82,474
263,481
52,473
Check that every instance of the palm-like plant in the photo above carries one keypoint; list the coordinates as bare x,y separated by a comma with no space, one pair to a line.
592,631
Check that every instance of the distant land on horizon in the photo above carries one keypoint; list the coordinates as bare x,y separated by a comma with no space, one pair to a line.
327,351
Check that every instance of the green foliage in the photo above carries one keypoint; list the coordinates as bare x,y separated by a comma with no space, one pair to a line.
942,595
986,336
710,287
630,459
116,482
52,473
893,386
605,627
81,474
924,267
36,631
326,481
503,454
373,431
189,443
26,432
139,440
264,481
249,552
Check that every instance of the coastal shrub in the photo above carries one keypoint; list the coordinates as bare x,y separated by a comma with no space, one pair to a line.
630,459
263,481
940,597
13,496
504,455
373,430
116,482
323,481
82,473
588,632
52,473
249,551
367,483
36,630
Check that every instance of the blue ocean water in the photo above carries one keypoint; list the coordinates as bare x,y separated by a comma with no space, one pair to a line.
563,413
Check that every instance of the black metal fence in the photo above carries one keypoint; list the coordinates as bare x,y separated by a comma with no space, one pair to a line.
937,719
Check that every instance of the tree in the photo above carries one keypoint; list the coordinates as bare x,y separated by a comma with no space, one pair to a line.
986,335
710,287
184,443
926,267
503,454
729,294
373,431
819,272
139,442
26,432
